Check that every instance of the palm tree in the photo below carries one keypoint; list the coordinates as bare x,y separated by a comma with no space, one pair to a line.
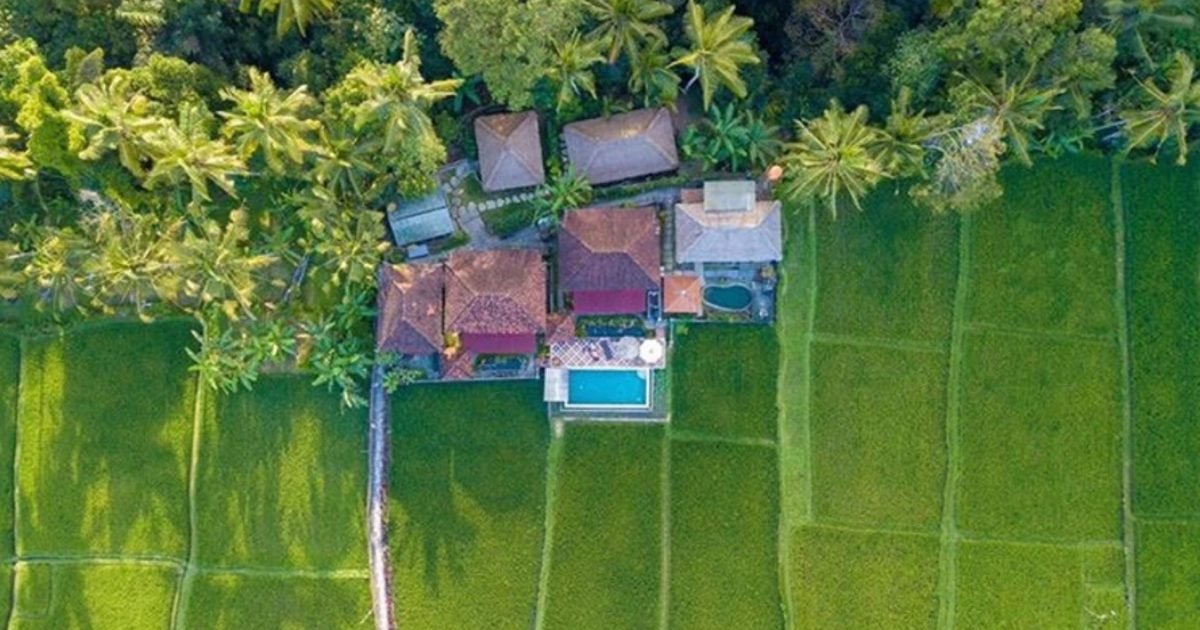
834,155
298,13
130,262
396,96
571,69
185,154
1131,20
565,190
344,163
55,268
13,164
762,141
720,140
627,24
650,75
1168,113
906,133
1015,109
216,266
718,50
115,120
265,119
347,240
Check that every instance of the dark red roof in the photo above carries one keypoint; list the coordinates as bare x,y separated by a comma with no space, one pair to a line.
609,249
410,309
499,344
496,292
608,302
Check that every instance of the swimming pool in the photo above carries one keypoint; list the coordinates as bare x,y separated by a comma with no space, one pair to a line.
608,389
728,297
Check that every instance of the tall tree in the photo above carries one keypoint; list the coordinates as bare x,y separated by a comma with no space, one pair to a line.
14,164
1162,117
834,156
571,70
1132,21
185,154
130,260
114,119
1017,109
717,51
651,76
267,120
217,266
627,25
291,13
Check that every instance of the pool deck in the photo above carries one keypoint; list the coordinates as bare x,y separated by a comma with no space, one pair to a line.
602,353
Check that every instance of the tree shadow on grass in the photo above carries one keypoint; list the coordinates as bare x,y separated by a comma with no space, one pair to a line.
105,438
465,457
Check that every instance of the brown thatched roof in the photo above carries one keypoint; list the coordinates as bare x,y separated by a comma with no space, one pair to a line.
624,146
510,151
496,292
410,308
609,249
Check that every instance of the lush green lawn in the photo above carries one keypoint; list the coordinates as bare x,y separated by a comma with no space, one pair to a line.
1018,586
607,556
879,444
94,596
1041,439
888,271
239,602
1164,277
10,374
724,380
724,519
1042,257
850,579
281,479
105,434
1168,574
467,495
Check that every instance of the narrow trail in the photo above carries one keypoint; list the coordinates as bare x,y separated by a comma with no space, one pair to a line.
16,468
1121,304
179,609
377,551
664,574
553,460
948,559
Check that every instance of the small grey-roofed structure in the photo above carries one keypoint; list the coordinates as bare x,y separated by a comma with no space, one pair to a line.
420,220
624,146
510,151
728,225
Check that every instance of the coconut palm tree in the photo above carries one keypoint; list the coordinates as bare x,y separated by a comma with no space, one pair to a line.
1165,115
565,190
113,119
1131,20
344,163
397,97
13,164
833,156
184,154
130,261
650,75
289,13
1016,109
906,134
346,239
216,266
719,48
55,271
571,69
265,119
627,24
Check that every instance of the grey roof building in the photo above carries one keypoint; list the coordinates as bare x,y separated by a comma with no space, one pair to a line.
728,224
420,220
510,151
633,144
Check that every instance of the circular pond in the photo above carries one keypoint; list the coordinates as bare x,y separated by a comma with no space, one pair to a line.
728,297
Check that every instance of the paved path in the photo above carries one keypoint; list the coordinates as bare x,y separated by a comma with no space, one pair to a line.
377,443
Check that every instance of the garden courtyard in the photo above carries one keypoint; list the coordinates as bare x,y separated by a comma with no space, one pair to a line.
986,422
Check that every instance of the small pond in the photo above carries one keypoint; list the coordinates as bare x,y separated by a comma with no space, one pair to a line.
728,297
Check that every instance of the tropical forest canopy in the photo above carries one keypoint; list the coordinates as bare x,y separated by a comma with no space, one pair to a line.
230,161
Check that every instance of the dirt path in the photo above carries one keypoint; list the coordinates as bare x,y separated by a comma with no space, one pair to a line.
377,551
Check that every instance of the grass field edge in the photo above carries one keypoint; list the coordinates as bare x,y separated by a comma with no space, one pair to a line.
179,607
553,458
16,495
664,576
1122,304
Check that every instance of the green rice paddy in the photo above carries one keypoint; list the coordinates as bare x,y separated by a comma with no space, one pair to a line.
936,434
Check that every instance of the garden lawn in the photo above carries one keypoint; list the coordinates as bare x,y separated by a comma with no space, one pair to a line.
1168,575
607,553
1042,257
724,518
879,445
852,579
1040,429
1018,586
724,380
467,495
241,602
94,596
105,439
10,378
888,271
1164,318
281,479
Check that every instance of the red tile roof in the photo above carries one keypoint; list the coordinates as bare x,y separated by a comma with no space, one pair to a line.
410,308
510,151
496,292
682,293
609,249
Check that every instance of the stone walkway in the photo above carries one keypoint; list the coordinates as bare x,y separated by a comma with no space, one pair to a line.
468,214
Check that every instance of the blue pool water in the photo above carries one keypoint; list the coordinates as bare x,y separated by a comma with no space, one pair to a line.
608,388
